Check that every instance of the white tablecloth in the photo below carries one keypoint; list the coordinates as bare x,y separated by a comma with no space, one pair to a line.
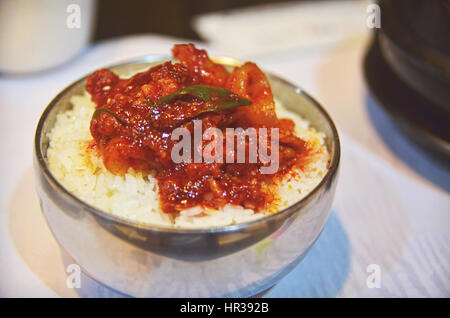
391,207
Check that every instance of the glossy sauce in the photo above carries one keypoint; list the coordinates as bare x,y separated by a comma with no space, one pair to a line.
132,129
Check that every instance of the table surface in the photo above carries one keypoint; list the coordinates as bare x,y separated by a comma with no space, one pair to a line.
392,206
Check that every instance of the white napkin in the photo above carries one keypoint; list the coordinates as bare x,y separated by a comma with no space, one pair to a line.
265,29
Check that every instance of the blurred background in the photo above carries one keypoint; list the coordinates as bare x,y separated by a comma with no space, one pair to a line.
173,18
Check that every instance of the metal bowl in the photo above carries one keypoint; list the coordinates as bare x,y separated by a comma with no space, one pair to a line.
154,261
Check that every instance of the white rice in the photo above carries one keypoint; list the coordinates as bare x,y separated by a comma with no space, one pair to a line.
135,197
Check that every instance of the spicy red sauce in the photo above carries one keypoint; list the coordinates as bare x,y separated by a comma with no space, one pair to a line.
132,129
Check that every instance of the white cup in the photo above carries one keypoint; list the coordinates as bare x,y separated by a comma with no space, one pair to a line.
39,34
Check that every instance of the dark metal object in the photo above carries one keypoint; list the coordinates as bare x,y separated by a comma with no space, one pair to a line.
414,41
414,114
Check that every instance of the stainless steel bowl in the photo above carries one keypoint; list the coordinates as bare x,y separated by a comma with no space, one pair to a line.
153,261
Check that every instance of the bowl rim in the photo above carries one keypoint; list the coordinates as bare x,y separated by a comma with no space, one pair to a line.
332,171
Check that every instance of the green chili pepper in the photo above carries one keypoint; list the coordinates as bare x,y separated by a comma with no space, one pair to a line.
98,111
205,93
